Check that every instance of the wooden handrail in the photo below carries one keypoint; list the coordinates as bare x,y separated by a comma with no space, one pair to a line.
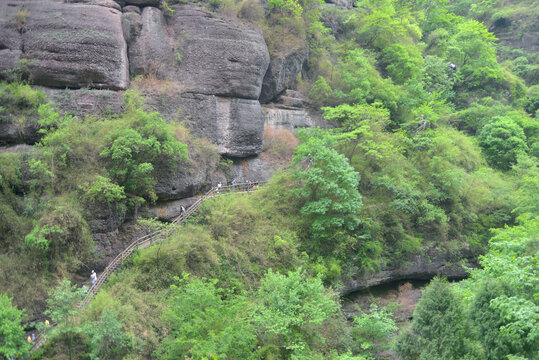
148,239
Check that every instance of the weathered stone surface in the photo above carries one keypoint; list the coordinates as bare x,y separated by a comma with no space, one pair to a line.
344,4
105,3
169,210
20,148
291,119
290,99
257,168
103,219
281,74
75,45
10,37
144,2
110,244
9,59
185,180
84,102
218,58
13,132
131,8
150,52
418,267
236,126
131,26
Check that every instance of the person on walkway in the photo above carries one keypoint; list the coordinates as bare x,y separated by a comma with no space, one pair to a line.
233,183
182,210
219,187
29,339
84,289
452,67
93,276
33,337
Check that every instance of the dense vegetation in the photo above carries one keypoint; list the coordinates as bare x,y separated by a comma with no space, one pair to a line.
258,276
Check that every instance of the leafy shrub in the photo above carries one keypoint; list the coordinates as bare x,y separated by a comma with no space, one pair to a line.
11,330
206,322
439,329
288,306
131,152
107,340
502,140
371,328
19,99
103,191
62,235
328,188
402,62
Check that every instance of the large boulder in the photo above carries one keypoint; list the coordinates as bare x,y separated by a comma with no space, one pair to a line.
185,180
150,52
131,25
10,39
235,126
281,73
106,3
15,132
216,57
69,45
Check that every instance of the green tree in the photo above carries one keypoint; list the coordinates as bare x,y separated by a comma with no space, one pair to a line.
206,323
384,24
329,187
107,341
402,62
362,131
12,342
290,307
436,77
360,82
527,172
131,152
62,234
62,308
439,329
370,329
503,292
502,141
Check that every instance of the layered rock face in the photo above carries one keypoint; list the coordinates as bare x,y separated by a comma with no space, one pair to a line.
81,54
282,73
234,125
65,45
217,70
218,58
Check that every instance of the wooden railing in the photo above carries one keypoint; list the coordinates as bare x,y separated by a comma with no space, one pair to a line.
151,238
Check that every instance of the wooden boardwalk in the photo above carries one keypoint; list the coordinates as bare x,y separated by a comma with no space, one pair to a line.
151,238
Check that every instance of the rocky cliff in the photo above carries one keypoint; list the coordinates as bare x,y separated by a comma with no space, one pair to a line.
189,64
215,70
